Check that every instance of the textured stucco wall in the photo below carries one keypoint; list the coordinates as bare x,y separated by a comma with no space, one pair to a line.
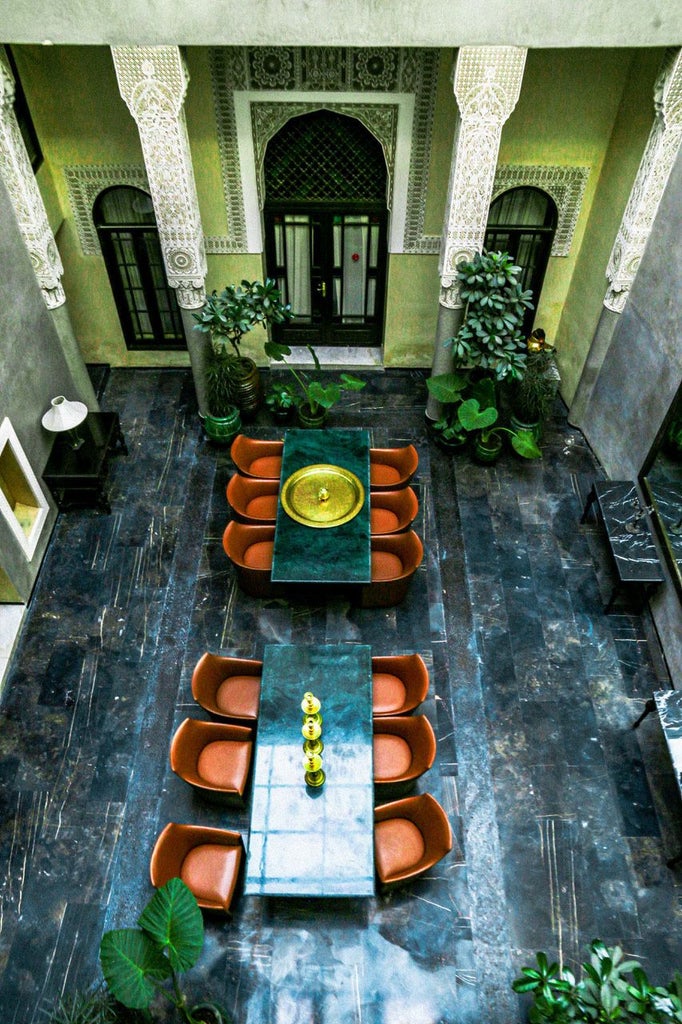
639,378
353,22
32,372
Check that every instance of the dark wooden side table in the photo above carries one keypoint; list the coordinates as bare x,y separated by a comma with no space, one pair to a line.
77,476
635,558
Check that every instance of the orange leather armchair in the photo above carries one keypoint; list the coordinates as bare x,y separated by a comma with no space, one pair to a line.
254,457
214,758
410,836
391,468
395,558
208,860
228,688
253,501
400,682
404,748
392,511
250,549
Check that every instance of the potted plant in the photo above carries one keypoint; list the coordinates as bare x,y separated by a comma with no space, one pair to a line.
222,421
281,401
610,988
491,335
225,318
479,415
534,393
449,389
315,399
137,961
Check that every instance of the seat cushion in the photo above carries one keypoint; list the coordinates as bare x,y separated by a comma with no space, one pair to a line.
381,474
392,757
268,466
386,566
383,520
388,693
211,872
398,847
263,507
259,555
239,696
224,764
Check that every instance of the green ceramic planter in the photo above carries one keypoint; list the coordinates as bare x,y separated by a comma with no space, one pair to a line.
311,420
488,451
223,429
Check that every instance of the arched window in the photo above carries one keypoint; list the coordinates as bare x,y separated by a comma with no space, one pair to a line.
147,305
522,222
325,228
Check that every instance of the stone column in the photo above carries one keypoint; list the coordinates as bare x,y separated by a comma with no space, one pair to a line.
487,82
17,173
654,170
153,82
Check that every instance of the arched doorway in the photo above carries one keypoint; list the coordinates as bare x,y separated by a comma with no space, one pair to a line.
522,222
325,229
147,305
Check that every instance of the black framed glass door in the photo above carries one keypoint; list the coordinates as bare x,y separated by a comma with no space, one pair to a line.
330,264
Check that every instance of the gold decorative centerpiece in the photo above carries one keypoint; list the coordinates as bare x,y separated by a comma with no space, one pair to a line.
322,495
312,741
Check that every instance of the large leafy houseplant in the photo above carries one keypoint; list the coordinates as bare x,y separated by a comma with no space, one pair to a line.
449,389
314,396
137,962
610,989
533,395
491,335
225,318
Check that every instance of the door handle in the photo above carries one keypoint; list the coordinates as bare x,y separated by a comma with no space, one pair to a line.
322,289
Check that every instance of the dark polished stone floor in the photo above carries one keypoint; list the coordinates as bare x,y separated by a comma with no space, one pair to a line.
562,816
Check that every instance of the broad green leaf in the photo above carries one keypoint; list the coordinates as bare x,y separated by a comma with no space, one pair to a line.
472,417
131,962
173,920
351,383
524,444
446,387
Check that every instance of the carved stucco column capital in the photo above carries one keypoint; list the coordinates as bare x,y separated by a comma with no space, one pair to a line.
18,176
486,83
657,161
153,83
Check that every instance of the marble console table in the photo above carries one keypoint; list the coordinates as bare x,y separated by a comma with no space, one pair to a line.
634,553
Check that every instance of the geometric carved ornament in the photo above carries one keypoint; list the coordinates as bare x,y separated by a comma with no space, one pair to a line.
487,84
566,186
349,72
84,183
17,173
153,82
654,170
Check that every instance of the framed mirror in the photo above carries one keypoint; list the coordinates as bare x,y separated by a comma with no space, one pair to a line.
661,480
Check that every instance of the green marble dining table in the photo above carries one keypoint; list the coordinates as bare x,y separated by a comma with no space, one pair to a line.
305,841
338,554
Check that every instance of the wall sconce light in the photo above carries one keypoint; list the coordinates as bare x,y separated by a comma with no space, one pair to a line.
64,415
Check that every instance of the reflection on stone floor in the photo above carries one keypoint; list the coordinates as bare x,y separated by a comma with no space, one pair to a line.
562,816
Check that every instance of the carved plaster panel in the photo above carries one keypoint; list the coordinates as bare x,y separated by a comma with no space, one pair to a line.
566,186
17,173
487,83
349,71
84,184
153,82
654,170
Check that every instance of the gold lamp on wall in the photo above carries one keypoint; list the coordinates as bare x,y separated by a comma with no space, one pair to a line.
64,415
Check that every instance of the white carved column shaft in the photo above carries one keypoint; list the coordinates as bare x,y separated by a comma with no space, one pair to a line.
654,170
153,82
17,173
487,82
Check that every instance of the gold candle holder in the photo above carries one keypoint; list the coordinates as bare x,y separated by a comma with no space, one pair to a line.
314,775
311,728
310,705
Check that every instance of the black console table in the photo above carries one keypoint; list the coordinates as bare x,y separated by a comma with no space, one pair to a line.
77,476
635,557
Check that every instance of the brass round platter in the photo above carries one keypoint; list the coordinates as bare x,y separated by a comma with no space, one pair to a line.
322,495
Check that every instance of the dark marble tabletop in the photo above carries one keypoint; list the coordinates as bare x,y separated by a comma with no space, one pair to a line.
303,841
339,554
628,531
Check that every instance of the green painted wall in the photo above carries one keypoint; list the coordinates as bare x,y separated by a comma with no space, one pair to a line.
566,114
584,300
